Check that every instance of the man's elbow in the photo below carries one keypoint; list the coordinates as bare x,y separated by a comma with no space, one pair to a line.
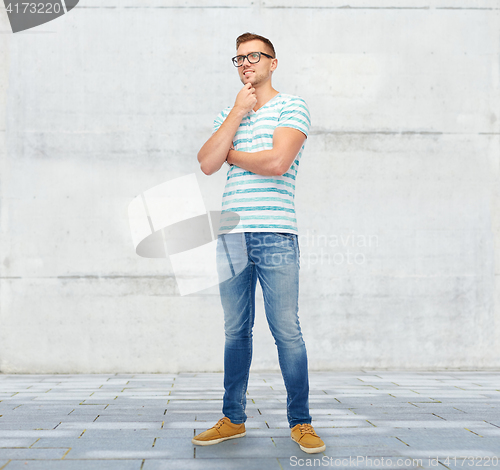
207,171
203,165
281,167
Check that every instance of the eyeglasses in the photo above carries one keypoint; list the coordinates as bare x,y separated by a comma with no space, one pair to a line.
252,58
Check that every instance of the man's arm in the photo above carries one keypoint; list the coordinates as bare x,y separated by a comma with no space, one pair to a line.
214,152
287,142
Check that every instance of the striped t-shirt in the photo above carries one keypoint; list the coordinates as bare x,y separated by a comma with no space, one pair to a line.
263,203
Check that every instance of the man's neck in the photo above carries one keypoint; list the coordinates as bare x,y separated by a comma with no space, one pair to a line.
263,95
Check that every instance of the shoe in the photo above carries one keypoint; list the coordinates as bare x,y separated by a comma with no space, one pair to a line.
222,431
307,439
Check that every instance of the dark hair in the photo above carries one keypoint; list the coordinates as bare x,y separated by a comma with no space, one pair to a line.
250,37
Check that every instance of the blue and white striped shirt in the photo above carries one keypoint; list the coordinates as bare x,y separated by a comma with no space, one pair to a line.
263,203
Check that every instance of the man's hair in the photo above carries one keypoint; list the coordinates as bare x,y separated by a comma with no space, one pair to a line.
250,37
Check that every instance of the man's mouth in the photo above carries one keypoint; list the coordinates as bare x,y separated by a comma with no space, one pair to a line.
246,73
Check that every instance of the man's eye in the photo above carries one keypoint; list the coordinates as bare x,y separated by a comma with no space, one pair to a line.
254,55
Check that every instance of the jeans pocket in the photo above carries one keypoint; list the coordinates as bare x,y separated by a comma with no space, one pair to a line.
290,236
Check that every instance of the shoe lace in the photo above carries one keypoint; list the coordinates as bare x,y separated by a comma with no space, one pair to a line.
219,423
306,428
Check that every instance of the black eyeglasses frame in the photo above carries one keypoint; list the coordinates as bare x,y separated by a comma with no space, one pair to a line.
235,58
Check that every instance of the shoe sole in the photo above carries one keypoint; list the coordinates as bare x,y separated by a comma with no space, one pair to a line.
216,441
310,450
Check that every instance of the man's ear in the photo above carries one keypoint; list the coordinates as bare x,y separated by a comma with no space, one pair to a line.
274,65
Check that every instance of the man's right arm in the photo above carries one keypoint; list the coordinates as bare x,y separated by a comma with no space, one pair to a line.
214,152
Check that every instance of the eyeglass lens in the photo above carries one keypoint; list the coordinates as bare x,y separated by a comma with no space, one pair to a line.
253,58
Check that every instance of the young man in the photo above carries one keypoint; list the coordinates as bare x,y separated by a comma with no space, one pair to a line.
262,138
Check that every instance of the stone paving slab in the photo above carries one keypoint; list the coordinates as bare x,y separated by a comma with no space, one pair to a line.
92,424
186,433
214,464
75,465
124,443
146,422
32,454
16,442
35,434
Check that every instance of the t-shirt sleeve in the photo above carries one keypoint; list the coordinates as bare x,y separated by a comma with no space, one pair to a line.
218,121
296,114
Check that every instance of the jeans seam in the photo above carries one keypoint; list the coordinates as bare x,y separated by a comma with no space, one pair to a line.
250,325
297,251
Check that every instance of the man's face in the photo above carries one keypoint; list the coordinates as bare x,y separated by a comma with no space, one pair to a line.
258,73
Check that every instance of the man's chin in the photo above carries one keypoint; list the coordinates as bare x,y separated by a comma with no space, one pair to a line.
254,81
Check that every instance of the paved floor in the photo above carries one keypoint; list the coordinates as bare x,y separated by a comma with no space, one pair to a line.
368,419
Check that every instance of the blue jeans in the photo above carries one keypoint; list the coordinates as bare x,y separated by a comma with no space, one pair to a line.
273,258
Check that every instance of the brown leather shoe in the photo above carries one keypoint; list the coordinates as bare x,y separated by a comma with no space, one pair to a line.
307,439
222,431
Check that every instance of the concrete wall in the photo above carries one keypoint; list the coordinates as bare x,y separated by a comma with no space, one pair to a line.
400,176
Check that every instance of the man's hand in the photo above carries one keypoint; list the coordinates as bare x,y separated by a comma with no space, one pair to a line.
246,99
215,150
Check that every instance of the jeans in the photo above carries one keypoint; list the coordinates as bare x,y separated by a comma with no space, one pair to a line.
273,258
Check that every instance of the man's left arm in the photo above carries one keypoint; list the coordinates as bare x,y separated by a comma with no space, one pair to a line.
287,143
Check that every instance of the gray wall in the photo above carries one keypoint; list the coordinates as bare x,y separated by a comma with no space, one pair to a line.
400,177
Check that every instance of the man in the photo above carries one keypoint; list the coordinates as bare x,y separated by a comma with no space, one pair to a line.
262,138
